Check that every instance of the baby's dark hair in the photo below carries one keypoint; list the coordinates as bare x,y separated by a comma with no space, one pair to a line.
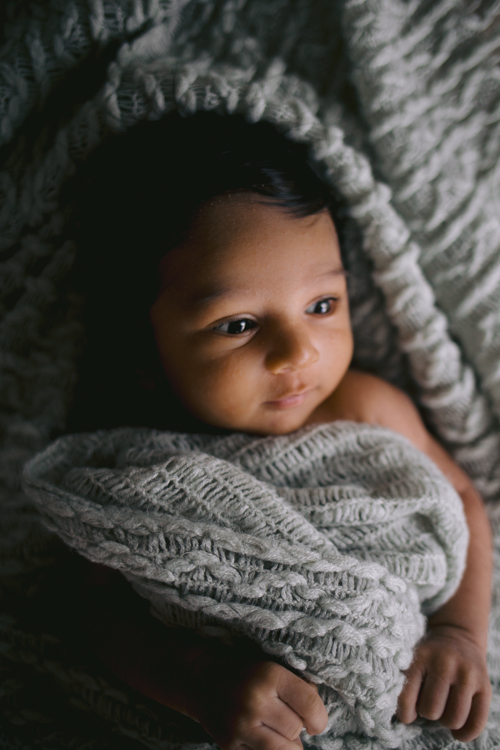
134,200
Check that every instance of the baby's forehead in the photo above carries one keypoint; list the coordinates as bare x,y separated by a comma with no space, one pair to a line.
240,241
236,211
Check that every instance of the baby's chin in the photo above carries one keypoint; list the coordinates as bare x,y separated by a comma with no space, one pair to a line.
263,419
283,425
285,422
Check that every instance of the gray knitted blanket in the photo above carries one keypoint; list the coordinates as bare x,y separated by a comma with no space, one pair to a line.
323,546
399,102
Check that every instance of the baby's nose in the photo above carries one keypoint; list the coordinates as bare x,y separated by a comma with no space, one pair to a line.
291,350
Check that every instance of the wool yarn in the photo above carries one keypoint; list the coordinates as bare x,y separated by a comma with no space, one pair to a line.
397,100
322,546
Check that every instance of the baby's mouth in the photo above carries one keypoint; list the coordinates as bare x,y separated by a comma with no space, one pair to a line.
290,400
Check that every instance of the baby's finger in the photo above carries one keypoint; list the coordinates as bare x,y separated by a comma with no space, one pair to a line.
477,719
458,706
284,721
264,738
407,701
433,697
305,701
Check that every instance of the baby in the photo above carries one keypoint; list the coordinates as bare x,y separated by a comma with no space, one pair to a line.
251,327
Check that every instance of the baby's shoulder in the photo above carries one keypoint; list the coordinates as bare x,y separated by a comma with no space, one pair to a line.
362,397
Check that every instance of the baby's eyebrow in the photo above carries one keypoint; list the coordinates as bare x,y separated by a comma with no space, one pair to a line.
206,296
333,272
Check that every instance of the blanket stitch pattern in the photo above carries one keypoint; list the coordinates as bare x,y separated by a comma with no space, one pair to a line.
321,546
386,93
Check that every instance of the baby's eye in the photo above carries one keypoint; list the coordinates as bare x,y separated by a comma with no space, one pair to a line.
322,306
235,327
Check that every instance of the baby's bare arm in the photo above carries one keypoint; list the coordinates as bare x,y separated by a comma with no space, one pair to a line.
235,694
448,679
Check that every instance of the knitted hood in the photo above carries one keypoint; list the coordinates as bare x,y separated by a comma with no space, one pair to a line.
399,104
425,267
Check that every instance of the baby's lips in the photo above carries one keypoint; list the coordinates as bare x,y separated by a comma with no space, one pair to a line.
289,394
294,399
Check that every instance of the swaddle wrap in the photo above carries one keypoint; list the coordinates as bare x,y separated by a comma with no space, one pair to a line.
324,546
399,101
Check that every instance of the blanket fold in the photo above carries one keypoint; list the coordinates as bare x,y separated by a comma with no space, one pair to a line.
324,546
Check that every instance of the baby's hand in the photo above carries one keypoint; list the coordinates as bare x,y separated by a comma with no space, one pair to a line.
448,681
259,705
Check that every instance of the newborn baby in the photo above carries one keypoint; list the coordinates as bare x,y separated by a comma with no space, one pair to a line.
250,319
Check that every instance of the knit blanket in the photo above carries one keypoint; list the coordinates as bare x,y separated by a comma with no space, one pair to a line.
399,103
324,546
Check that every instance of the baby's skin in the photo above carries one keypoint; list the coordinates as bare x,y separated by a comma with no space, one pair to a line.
253,331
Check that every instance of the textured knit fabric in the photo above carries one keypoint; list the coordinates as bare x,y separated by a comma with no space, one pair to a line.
400,102
322,546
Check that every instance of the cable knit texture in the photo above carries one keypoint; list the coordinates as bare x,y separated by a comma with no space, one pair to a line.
322,546
399,100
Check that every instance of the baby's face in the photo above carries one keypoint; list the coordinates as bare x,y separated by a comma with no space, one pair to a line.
252,320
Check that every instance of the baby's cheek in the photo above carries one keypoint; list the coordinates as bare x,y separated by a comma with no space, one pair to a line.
223,393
